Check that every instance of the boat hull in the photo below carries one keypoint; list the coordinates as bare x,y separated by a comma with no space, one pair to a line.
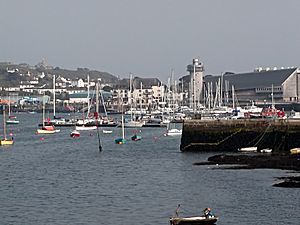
75,134
86,128
107,131
42,131
173,132
136,138
295,151
248,149
201,220
6,142
120,141
12,122
134,124
266,150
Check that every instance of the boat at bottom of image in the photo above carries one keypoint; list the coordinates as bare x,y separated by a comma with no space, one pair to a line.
195,220
208,218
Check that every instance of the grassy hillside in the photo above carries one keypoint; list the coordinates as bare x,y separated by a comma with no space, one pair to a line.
14,78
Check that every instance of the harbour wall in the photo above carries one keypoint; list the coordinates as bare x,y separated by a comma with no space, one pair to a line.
229,135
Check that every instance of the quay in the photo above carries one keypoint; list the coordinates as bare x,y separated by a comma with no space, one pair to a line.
229,135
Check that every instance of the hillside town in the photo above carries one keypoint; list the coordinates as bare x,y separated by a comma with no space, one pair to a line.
25,86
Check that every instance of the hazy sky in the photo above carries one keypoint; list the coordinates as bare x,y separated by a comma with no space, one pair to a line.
149,37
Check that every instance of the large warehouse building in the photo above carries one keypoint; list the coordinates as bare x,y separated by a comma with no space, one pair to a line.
259,85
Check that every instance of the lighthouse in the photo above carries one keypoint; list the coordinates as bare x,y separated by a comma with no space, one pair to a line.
196,70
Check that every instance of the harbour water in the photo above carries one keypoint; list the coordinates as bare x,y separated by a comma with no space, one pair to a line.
58,180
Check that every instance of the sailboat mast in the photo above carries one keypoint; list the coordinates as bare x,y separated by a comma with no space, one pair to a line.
272,94
97,98
221,91
102,99
88,95
4,122
54,96
233,98
123,128
194,102
43,109
9,105
130,92
141,99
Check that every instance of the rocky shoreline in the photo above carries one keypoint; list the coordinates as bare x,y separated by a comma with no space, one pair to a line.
260,161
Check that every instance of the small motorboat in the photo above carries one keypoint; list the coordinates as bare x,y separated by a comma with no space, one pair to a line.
75,133
120,141
173,132
85,128
12,121
107,131
207,219
295,151
136,137
266,150
6,141
196,220
248,149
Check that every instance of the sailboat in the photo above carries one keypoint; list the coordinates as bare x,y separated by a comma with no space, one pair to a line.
83,126
11,118
75,133
102,121
46,129
5,140
121,140
134,121
173,131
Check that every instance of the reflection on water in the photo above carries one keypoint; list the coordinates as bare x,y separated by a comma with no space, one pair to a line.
60,180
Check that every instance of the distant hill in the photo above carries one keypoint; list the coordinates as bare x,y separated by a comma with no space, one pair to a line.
82,73
25,71
10,79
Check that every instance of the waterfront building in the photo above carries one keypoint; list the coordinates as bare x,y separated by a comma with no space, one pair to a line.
144,93
261,85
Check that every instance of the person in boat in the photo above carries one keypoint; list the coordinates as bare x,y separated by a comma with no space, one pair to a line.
177,210
208,213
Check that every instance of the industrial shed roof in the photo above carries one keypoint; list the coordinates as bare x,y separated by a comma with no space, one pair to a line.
254,79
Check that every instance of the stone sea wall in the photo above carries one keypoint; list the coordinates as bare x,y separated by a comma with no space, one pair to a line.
230,135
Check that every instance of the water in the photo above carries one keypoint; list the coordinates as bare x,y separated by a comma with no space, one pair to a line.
60,180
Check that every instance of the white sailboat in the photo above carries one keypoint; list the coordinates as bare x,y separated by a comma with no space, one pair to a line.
173,131
11,118
83,126
133,122
5,140
46,129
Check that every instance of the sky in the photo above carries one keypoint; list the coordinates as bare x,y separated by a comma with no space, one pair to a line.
149,38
